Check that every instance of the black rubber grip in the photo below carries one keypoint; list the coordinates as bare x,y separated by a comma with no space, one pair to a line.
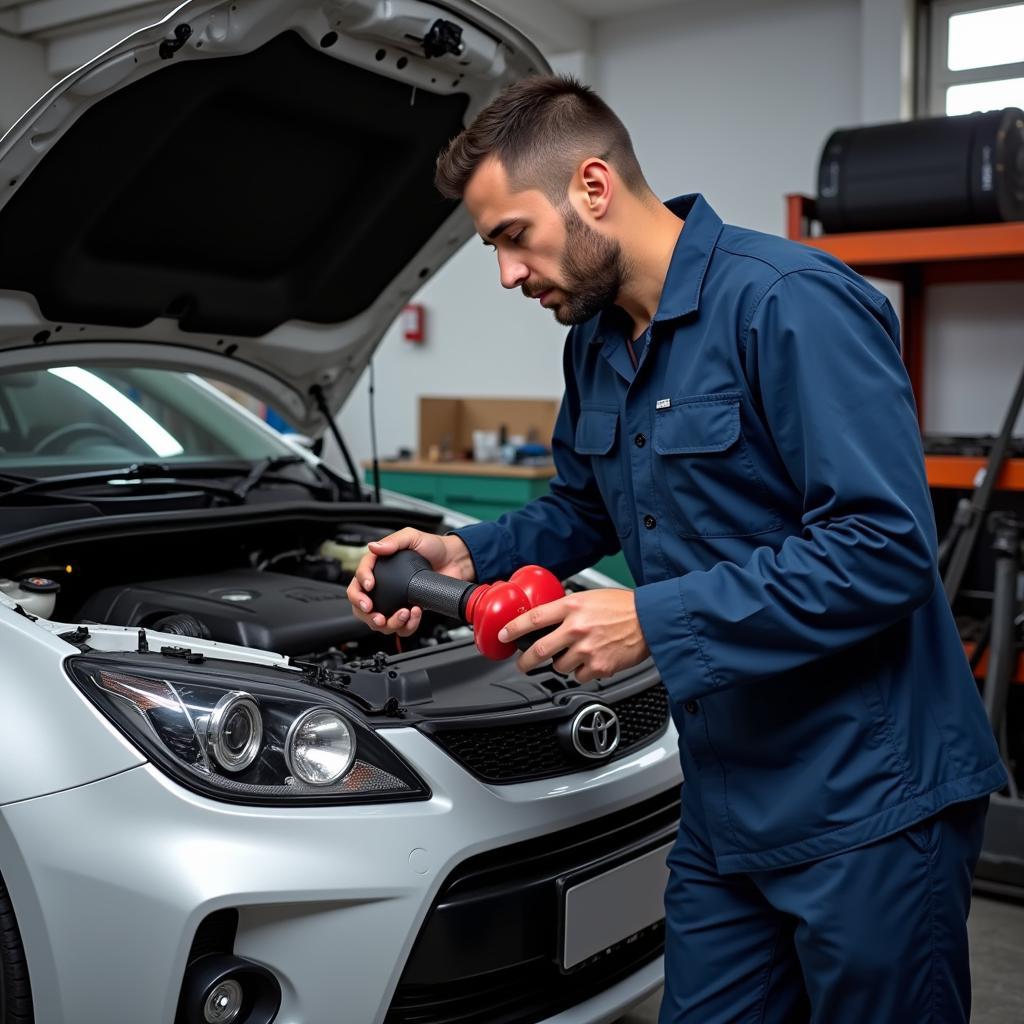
405,579
437,593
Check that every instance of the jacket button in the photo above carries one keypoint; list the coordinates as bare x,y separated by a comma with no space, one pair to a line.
639,440
692,707
650,522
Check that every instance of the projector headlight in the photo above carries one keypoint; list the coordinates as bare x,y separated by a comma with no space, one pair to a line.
244,733
234,731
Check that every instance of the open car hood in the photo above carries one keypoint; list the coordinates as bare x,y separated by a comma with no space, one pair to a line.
245,190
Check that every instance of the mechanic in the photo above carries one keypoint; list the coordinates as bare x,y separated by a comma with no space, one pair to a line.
737,418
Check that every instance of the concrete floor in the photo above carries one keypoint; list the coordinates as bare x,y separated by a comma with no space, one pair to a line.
997,966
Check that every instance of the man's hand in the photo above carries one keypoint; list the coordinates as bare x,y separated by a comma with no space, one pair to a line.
447,555
597,632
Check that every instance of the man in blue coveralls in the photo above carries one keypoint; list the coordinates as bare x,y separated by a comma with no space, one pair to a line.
738,420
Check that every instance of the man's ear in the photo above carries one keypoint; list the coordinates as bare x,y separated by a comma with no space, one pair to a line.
594,186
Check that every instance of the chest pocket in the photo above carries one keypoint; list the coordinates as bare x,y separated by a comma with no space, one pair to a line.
597,433
705,470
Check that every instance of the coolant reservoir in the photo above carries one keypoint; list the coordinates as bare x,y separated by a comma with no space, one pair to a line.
35,594
349,555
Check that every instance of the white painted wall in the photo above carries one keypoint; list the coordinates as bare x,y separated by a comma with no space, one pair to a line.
974,352
733,98
23,77
481,340
887,40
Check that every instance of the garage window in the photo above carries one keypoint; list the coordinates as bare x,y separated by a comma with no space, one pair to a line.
975,56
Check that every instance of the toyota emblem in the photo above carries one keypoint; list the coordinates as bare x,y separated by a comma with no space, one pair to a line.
595,732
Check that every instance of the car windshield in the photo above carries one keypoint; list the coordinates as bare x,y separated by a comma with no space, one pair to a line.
91,417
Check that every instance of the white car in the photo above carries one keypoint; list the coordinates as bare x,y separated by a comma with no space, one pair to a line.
222,798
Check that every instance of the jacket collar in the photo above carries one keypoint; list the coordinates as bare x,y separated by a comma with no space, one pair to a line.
680,295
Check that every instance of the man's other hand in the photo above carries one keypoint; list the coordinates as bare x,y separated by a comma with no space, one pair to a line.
597,633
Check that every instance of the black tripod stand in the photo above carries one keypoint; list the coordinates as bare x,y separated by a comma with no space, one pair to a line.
1003,630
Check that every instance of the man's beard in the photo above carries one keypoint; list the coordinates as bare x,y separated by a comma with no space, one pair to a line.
593,271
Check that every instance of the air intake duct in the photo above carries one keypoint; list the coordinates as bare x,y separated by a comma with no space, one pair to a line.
927,173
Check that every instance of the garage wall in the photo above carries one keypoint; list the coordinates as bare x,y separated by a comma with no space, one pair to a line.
974,355
481,340
727,99
23,76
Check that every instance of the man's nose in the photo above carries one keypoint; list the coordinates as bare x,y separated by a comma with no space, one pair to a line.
512,272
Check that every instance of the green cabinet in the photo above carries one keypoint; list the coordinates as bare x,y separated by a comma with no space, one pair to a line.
485,496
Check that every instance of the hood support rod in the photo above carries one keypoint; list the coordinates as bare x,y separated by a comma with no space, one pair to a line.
321,403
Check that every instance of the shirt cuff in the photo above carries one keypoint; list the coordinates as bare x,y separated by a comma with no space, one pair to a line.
491,548
675,645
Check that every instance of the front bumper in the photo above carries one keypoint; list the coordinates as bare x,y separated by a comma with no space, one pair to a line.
111,880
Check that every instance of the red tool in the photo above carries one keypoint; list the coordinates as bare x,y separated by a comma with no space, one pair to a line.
405,579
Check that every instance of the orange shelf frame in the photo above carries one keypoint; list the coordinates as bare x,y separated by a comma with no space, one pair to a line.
962,470
967,242
982,669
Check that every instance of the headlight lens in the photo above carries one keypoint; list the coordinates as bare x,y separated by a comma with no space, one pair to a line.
320,747
234,731
244,733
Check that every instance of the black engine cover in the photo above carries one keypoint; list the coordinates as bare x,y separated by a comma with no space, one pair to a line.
266,610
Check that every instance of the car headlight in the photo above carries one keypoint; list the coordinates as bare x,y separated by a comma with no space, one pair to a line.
244,733
234,731
320,747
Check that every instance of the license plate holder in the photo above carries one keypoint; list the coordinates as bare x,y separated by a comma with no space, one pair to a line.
604,905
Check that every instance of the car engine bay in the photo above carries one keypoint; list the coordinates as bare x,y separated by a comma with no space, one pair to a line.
270,580
277,588
274,579
286,612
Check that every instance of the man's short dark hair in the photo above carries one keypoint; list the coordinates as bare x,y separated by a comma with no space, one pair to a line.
540,129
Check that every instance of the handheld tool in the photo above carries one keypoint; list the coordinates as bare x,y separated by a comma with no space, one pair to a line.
406,579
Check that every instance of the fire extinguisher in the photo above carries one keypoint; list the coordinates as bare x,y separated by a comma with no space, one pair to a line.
414,323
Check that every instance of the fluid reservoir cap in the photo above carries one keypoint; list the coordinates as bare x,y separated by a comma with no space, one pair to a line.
39,585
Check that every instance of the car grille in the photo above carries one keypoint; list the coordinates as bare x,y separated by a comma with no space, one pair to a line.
523,995
487,953
517,753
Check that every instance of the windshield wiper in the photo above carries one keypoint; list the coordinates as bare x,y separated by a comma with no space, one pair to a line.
136,474
159,474
261,471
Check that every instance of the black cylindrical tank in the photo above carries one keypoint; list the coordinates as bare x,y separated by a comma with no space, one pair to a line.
935,171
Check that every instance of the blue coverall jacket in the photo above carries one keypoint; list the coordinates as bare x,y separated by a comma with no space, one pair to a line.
762,471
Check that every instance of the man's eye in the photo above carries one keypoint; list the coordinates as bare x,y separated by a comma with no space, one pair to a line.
517,238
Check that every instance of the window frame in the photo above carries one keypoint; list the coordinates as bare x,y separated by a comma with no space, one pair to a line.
939,75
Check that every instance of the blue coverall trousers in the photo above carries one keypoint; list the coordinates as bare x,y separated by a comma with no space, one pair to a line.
875,935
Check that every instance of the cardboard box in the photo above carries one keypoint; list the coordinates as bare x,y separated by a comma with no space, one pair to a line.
457,418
